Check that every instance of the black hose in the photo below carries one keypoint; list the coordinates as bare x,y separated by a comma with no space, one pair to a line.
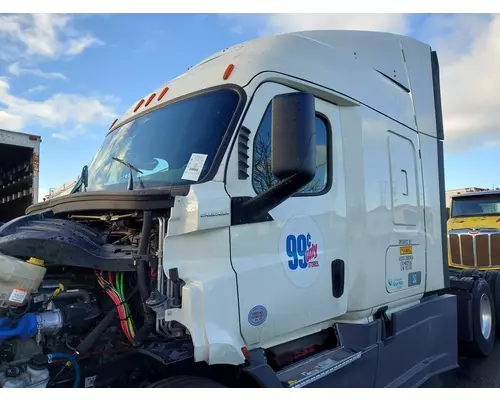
142,266
141,334
87,343
143,276
80,294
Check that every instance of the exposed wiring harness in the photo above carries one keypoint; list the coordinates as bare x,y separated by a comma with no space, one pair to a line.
117,294
84,346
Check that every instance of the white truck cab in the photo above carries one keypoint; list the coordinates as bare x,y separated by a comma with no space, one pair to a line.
297,183
361,235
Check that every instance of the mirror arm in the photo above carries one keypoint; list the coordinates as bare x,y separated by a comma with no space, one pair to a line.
258,206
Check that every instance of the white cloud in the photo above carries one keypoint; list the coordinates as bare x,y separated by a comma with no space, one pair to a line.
280,23
77,46
68,113
17,70
29,39
47,36
69,134
469,53
268,24
10,121
37,89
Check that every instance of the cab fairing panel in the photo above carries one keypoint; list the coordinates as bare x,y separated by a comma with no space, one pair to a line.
343,62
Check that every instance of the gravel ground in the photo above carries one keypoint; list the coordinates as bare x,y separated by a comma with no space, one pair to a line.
473,373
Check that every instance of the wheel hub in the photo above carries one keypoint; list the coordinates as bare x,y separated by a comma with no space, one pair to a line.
485,316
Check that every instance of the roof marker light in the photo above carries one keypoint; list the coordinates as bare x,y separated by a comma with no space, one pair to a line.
113,124
150,99
138,105
163,93
228,71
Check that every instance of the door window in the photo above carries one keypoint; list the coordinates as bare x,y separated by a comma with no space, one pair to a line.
263,177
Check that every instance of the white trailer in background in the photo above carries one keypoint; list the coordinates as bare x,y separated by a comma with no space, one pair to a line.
63,189
19,165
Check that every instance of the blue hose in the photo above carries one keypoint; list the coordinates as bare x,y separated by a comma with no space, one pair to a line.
24,328
72,360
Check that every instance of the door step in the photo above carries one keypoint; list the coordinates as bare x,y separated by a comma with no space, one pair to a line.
316,367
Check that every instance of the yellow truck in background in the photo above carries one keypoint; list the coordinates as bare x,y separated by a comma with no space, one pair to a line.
474,231
474,241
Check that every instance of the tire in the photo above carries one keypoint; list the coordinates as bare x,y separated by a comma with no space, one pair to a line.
483,320
493,279
186,382
467,273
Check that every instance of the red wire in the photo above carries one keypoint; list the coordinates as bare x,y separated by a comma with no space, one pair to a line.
110,279
117,300
121,313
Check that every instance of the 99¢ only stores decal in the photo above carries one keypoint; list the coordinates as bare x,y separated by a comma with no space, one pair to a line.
301,247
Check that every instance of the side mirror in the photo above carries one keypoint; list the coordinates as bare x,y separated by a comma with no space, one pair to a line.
293,155
293,133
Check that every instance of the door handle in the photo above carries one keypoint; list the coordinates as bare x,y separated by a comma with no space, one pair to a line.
405,177
338,278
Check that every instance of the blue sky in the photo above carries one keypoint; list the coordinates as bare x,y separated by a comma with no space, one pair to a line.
66,77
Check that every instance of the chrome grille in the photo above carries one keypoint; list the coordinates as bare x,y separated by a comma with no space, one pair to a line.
475,248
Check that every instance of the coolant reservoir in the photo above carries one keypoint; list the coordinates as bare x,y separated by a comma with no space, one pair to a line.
18,279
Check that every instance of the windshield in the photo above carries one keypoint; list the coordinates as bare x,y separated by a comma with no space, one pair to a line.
476,206
171,146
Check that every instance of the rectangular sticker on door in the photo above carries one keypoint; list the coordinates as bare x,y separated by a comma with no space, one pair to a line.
405,250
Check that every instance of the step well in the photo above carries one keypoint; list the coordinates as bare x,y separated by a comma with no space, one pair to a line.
316,367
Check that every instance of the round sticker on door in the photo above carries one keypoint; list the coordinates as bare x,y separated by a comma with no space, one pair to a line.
301,251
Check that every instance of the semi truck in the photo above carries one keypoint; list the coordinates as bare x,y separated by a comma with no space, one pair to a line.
473,237
19,167
473,230
273,217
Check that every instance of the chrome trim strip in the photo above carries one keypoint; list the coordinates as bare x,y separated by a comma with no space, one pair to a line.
474,252
489,247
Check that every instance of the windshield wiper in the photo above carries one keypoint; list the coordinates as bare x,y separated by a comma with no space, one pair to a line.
130,185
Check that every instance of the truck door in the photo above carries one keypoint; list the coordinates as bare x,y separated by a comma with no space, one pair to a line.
290,268
405,257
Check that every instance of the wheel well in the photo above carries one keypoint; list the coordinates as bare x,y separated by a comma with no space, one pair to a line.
228,375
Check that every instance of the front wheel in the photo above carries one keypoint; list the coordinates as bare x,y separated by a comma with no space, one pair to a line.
186,382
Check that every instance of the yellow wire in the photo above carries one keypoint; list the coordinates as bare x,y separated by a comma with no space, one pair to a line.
58,290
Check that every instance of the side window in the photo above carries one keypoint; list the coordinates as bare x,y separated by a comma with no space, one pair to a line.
263,177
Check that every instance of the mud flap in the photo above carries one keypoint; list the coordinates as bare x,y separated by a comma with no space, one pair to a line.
462,289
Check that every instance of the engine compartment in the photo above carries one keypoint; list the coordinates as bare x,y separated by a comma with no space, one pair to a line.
102,299
92,243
